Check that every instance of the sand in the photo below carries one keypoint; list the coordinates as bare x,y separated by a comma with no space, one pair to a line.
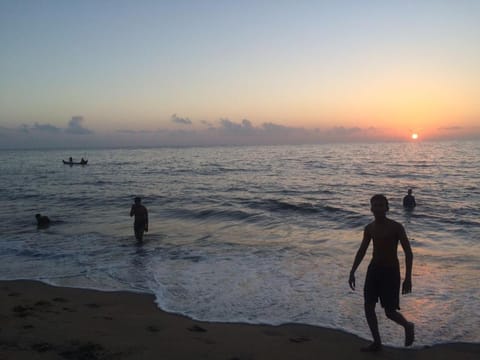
39,321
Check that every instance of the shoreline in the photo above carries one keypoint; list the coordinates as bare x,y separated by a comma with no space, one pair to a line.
47,322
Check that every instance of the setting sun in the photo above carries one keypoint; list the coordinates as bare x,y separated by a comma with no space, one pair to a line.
414,136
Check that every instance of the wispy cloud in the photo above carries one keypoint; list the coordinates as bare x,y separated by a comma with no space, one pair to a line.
232,128
129,131
272,128
451,128
206,123
179,120
223,131
342,131
24,128
46,127
75,126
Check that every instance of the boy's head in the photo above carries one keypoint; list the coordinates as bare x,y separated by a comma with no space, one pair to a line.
379,204
138,200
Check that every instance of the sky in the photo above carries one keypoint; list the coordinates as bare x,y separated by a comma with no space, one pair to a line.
179,73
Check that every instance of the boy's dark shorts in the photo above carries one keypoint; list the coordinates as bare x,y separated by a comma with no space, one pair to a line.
383,282
139,229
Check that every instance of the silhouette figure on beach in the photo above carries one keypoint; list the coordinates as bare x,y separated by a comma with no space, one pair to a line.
383,274
42,221
140,225
409,200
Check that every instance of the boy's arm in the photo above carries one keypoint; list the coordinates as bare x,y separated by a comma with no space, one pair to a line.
132,210
359,257
146,219
407,283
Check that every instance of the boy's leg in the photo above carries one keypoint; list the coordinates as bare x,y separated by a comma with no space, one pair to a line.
373,325
139,233
408,326
370,294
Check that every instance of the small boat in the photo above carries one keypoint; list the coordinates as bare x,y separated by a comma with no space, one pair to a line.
84,162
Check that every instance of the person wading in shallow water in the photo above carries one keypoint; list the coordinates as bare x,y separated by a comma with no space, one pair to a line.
409,200
383,275
42,221
140,224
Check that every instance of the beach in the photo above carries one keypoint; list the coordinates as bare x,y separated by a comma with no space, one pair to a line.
40,321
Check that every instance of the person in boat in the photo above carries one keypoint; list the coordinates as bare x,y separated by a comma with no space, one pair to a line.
140,224
409,200
70,159
83,161
383,274
42,220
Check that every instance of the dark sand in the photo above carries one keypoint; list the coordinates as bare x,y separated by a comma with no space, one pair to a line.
45,322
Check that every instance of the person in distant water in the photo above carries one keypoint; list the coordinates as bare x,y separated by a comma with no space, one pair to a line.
83,161
70,159
42,220
409,200
383,274
140,224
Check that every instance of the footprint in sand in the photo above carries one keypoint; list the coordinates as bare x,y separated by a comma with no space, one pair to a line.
43,303
59,299
196,328
300,339
92,305
42,347
153,328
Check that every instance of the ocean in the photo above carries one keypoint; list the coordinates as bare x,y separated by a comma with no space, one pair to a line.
254,234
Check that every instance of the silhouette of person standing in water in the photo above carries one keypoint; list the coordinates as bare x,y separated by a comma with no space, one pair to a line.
42,221
409,200
383,275
140,224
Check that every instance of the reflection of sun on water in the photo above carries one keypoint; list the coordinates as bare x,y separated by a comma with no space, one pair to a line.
414,136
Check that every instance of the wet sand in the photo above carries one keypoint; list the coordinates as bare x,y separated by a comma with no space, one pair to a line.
39,321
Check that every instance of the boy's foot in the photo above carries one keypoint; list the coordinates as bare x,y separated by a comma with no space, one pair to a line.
409,334
373,347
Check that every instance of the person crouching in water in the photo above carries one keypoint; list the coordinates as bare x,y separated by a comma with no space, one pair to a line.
140,224
383,274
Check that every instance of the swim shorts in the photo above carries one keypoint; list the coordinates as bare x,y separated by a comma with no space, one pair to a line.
383,282
139,229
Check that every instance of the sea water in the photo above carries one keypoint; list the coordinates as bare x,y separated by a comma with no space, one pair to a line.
259,234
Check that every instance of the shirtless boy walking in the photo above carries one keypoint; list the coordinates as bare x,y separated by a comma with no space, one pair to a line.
383,274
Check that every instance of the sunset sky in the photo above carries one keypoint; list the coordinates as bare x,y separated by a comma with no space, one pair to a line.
147,73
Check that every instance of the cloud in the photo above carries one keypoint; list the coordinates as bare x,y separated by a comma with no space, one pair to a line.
75,126
231,128
354,133
276,129
43,127
178,120
181,133
223,131
206,123
342,131
24,128
246,128
128,131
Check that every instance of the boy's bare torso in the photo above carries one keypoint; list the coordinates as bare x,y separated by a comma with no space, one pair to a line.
385,236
